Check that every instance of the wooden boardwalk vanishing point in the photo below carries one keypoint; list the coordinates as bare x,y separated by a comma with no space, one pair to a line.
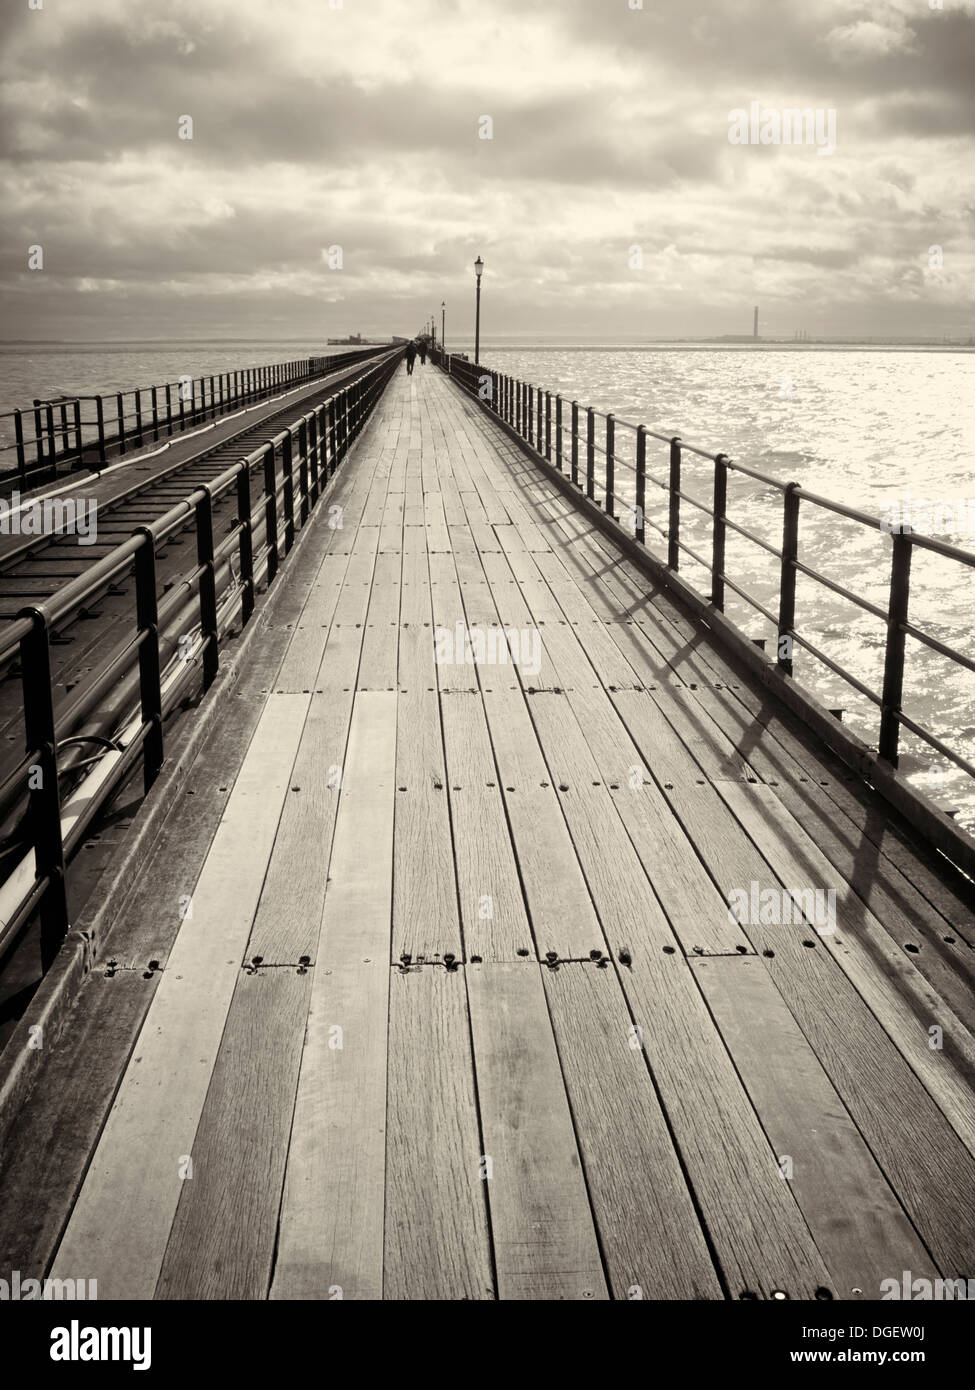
428,986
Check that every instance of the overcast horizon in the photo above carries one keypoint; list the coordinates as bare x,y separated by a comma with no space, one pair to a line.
346,165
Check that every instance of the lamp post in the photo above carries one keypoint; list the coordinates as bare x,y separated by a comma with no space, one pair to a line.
443,325
478,271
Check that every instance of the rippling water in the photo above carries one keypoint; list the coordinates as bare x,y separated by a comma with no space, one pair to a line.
865,427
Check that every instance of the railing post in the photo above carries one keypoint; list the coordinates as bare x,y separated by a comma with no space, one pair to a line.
575,442
558,433
169,411
590,452
150,679
673,523
79,442
548,426
640,528
610,499
893,691
38,435
213,401
718,548
344,422
312,434
271,511
246,542
138,415
787,580
120,411
208,588
330,436
303,471
289,493
21,452
52,442
44,805
321,435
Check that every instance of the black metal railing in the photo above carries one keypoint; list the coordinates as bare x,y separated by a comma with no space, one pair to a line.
563,439
69,432
291,472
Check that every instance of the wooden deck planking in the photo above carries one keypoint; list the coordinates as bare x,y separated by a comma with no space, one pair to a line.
897,993
650,1233
594,747
898,1119
858,1223
564,1071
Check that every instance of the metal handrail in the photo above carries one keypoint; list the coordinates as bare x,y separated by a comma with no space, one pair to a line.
512,400
126,420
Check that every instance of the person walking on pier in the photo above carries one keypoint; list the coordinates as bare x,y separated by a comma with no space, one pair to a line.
410,357
421,348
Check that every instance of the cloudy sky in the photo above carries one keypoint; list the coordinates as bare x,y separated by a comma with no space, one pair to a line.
360,127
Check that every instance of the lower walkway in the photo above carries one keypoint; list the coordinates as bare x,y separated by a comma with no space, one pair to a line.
429,987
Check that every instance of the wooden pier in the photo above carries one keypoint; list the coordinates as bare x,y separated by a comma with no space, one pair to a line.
427,985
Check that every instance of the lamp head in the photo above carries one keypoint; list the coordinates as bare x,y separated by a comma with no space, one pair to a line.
478,267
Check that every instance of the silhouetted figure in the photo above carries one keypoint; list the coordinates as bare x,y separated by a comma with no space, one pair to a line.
422,350
410,358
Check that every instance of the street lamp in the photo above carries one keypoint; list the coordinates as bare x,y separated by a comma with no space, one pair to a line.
478,271
443,325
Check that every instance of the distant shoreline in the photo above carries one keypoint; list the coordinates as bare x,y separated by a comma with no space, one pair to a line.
648,345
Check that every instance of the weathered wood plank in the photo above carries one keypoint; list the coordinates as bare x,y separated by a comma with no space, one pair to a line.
436,1232
541,1224
331,1226
492,908
223,1235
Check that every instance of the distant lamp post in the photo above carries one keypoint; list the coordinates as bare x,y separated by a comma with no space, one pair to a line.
443,325
478,271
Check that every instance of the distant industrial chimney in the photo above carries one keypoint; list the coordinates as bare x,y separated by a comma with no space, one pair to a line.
755,329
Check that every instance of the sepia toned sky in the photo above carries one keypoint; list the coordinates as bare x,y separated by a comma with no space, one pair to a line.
358,127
